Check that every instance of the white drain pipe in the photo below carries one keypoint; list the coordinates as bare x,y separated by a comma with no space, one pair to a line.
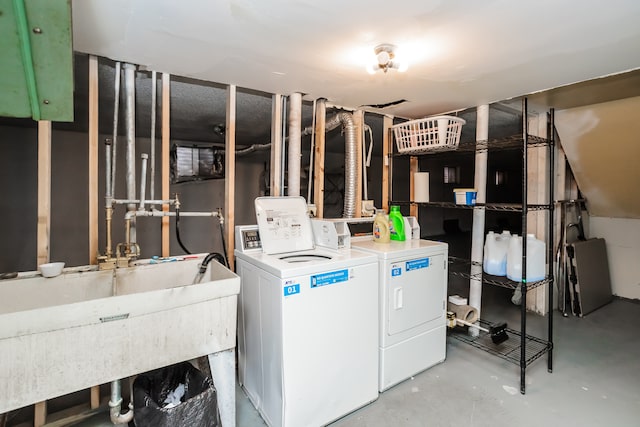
130,126
477,233
294,145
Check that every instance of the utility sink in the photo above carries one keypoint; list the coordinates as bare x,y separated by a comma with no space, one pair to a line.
88,327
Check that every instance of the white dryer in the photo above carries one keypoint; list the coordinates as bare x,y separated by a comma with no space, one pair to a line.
307,320
412,295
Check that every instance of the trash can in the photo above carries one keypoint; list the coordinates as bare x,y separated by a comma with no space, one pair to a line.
175,396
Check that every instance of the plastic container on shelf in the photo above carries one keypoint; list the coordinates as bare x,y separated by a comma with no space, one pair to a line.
495,253
465,196
381,227
396,224
535,258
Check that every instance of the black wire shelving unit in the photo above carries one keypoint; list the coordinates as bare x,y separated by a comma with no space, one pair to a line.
521,349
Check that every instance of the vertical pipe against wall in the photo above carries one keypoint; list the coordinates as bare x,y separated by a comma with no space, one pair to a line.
477,233
116,113
130,124
230,172
358,119
152,167
275,177
294,144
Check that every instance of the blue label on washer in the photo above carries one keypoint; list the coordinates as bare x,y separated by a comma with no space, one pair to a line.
417,264
329,278
291,289
396,271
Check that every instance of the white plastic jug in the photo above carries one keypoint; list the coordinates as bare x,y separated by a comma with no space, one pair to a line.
535,258
496,247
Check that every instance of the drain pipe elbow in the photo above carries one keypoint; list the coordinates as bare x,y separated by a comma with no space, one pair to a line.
115,405
116,416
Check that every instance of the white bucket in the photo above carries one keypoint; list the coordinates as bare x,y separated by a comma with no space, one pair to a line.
496,247
535,258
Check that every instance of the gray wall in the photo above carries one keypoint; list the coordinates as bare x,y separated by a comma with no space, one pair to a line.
69,201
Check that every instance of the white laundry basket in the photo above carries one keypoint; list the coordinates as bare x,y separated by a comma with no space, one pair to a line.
429,134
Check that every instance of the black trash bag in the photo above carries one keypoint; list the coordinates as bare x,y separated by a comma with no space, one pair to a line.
198,407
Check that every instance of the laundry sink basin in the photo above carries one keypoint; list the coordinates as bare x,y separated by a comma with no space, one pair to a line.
88,327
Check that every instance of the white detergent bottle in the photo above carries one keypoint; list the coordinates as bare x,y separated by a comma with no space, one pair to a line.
535,258
488,263
514,258
495,253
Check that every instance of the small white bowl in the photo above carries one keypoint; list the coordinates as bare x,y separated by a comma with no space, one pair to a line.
51,269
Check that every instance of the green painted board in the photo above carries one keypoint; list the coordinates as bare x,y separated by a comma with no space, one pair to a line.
46,71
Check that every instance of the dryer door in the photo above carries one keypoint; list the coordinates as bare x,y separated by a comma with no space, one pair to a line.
415,291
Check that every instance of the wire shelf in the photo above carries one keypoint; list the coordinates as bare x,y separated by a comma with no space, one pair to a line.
504,207
462,268
508,350
510,142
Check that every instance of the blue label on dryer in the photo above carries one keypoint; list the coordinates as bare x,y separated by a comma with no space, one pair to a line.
291,289
396,271
417,264
330,278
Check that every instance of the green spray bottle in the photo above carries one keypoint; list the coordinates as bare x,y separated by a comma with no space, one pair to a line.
396,224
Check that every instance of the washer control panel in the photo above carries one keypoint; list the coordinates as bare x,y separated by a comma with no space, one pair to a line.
248,238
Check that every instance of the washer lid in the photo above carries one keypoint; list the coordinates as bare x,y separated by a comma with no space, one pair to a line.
284,224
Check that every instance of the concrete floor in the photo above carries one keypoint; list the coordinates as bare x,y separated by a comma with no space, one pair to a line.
595,379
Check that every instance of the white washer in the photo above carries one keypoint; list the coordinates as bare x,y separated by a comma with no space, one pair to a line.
412,295
307,320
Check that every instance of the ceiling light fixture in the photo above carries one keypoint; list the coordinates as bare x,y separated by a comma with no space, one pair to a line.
386,58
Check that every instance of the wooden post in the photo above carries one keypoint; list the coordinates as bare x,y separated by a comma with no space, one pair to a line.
275,177
387,122
44,223
413,168
44,191
166,140
93,159
318,157
230,172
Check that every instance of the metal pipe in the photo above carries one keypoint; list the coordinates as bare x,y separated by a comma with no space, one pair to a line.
115,405
136,201
143,179
116,112
153,134
130,125
311,153
156,213
550,241
477,233
294,145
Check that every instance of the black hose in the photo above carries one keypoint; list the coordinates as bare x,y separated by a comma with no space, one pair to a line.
207,259
224,246
178,231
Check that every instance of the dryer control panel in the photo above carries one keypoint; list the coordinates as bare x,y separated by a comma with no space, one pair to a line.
248,238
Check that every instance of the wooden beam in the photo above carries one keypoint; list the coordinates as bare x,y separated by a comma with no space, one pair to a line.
40,414
387,122
358,119
319,156
413,168
275,176
44,191
93,159
230,172
164,155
